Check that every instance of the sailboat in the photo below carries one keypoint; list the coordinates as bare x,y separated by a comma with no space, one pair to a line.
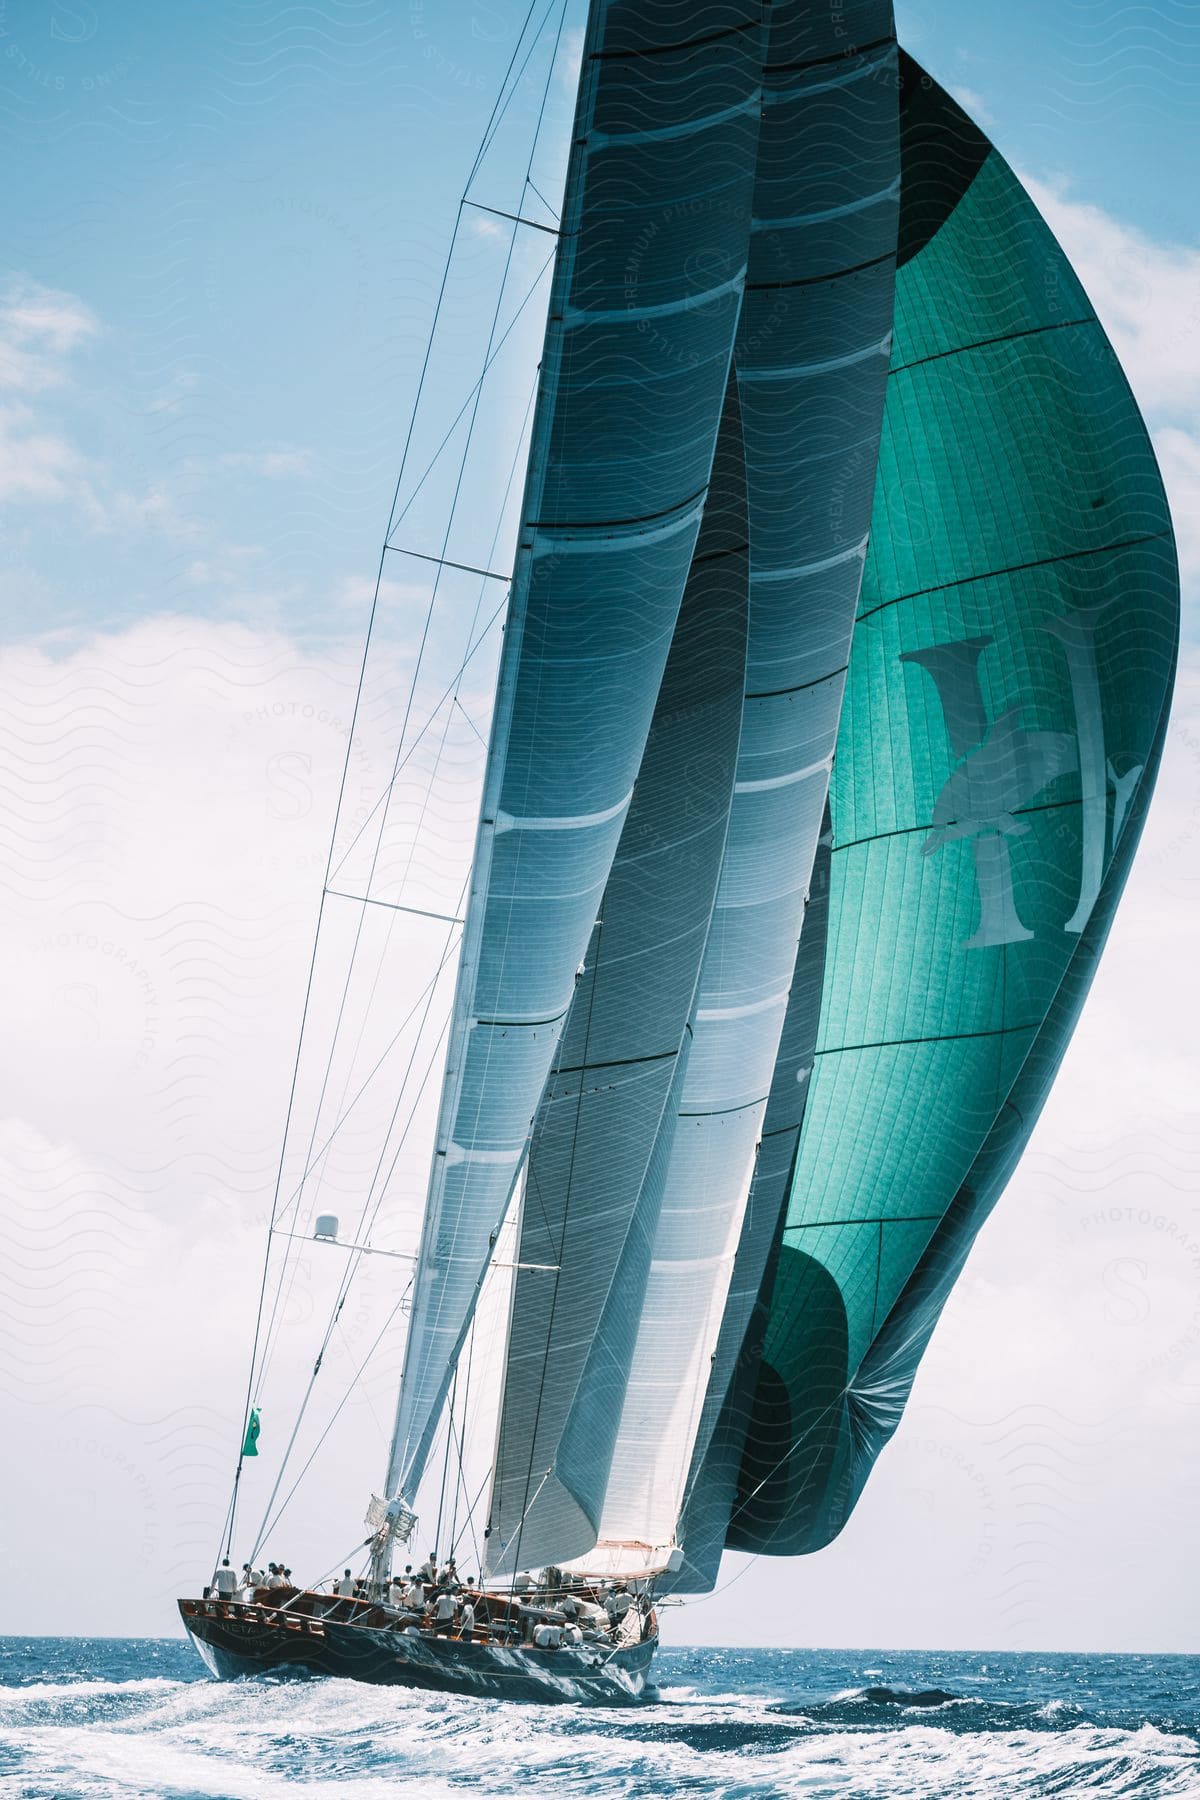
840,638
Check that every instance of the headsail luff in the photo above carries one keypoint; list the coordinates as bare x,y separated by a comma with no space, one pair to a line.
634,369
1010,675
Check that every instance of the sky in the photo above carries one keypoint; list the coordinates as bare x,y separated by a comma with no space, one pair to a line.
219,268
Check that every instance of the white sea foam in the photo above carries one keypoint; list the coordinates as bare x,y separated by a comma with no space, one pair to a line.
155,1739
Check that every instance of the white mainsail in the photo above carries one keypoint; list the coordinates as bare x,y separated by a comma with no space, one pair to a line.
579,680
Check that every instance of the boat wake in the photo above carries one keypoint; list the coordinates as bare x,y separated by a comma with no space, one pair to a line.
728,1725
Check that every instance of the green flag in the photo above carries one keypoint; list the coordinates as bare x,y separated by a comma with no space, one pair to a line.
250,1446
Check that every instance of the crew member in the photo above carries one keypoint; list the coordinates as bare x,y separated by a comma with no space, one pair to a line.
617,1604
466,1619
346,1585
443,1615
224,1581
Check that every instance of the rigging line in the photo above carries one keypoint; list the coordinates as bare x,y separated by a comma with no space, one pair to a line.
534,285
446,562
348,1276
479,1493
408,706
343,1559
414,912
453,692
379,967
392,521
450,942
328,862
466,201
530,1176
521,1526
448,952
348,1349
437,1530
460,1482
470,721
456,679
550,209
460,1479
497,111
537,130
504,99
516,219
587,1033
355,1259
356,1378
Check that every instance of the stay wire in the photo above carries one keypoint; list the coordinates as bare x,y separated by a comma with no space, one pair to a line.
344,1287
381,1334
499,107
315,1200
232,1515
498,110
456,679
496,314
275,1311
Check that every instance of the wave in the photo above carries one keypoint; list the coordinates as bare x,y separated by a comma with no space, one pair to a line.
751,1733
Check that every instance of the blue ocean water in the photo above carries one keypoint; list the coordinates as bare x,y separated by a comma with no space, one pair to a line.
140,1717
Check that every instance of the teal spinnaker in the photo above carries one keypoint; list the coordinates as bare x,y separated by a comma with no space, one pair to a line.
1011,668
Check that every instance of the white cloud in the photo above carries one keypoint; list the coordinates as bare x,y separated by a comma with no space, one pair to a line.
39,328
1147,297
35,464
277,464
162,847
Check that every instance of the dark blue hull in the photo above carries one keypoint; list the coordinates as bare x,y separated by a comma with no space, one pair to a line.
237,1640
